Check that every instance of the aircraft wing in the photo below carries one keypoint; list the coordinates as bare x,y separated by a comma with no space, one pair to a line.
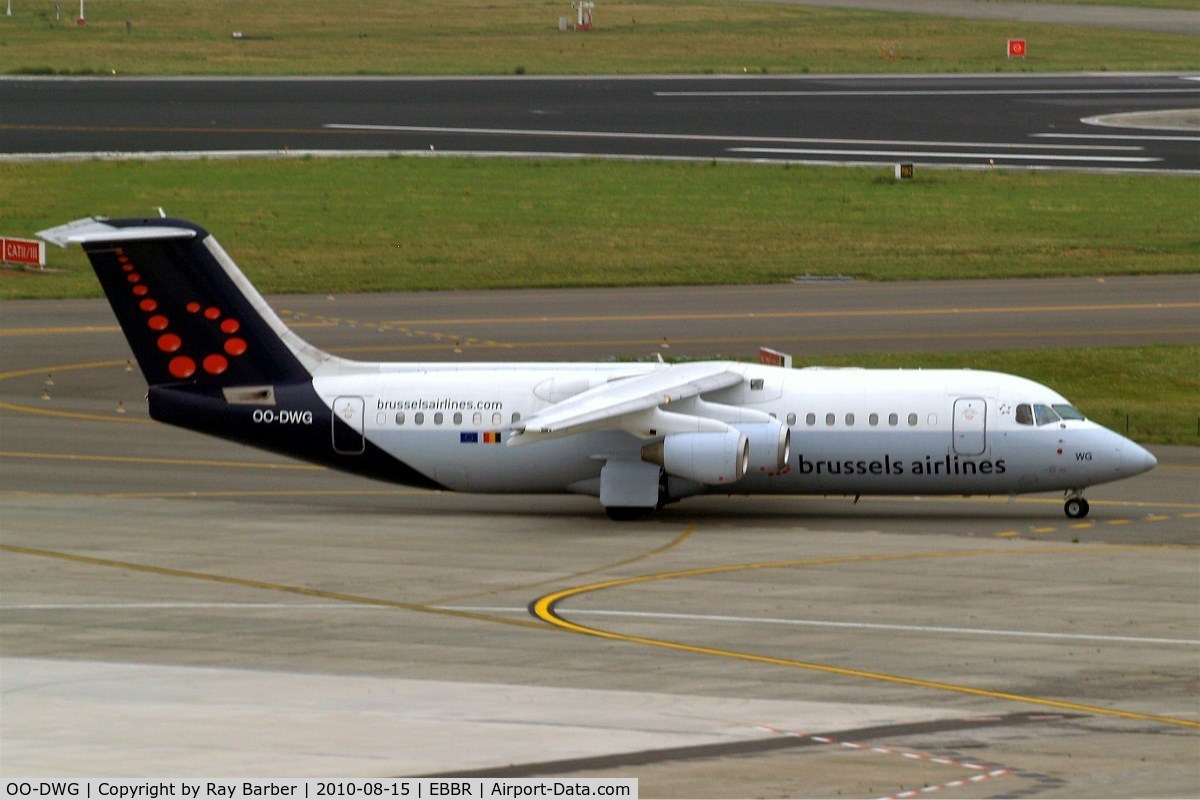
613,404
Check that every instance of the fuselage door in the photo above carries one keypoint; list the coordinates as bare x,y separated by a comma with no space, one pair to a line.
970,426
348,415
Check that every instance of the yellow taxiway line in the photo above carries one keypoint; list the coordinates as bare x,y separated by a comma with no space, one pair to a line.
545,608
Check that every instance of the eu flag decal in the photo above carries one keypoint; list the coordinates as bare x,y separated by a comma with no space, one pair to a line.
468,438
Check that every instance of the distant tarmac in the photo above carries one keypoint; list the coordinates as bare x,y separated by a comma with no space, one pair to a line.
1158,20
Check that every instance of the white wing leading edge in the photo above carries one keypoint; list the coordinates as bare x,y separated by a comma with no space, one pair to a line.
634,404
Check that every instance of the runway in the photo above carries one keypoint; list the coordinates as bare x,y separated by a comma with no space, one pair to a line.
175,605
1022,121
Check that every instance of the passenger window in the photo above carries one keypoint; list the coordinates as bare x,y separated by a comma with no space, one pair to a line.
1044,415
399,417
933,420
811,419
1024,414
849,420
873,420
830,419
477,418
419,418
893,420
516,417
437,418
912,420
791,418
458,418
496,418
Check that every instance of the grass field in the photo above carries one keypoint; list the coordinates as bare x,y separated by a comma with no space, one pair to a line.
424,37
1151,394
338,225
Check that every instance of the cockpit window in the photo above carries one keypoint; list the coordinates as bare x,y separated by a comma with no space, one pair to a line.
1044,415
1039,414
1068,412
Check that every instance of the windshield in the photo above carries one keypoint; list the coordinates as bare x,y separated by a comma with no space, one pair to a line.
1040,414
1068,412
1044,414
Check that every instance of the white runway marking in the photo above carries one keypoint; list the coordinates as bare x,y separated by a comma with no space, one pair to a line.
704,137
934,154
917,92
6,608
1139,138
882,627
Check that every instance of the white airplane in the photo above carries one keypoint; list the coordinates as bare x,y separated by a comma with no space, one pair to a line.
637,436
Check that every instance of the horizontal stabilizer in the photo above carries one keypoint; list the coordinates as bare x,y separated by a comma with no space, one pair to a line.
91,230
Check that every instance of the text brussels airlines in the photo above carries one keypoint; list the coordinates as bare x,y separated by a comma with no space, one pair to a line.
415,788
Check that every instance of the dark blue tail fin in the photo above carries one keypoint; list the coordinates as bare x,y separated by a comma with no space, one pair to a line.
189,314
217,358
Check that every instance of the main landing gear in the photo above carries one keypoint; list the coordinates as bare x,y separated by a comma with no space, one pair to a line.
1076,507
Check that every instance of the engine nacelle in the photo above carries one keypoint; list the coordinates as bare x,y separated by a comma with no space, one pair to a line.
770,445
709,458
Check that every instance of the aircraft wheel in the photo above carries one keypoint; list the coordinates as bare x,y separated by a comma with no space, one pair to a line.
627,513
1077,508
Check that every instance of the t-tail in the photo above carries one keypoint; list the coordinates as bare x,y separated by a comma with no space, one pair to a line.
217,359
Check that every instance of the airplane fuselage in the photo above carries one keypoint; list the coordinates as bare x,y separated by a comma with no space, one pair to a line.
217,359
853,431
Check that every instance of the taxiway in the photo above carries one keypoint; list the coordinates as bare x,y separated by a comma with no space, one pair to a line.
176,605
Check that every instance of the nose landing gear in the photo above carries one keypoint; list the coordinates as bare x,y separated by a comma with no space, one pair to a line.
1076,507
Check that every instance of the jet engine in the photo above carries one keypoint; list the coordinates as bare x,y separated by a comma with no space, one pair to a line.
770,445
710,458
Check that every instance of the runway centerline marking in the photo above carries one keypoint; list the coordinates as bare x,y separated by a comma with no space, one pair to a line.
336,128
184,462
887,312
875,626
1041,334
785,151
545,608
21,373
255,584
1117,137
52,330
491,610
697,137
49,412
914,92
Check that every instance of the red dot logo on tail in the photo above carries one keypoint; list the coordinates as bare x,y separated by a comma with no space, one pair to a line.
182,367
215,364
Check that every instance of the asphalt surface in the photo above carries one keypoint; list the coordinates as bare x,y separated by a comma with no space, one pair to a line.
806,318
1160,20
174,604
177,605
1027,121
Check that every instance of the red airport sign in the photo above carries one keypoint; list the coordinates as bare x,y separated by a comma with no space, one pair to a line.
1016,48
23,251
774,358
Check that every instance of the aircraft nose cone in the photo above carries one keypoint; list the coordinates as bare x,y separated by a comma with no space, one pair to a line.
1137,459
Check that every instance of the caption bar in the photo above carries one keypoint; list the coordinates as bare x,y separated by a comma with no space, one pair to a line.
413,788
